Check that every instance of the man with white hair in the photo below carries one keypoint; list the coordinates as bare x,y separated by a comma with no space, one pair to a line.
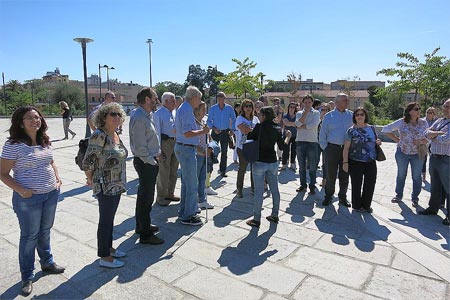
331,139
187,139
164,119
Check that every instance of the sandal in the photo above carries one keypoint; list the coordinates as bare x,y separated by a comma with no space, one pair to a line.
273,219
253,223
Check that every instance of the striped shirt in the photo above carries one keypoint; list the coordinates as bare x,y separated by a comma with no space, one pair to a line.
441,144
32,168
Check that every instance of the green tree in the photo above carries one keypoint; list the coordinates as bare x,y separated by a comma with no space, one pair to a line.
429,78
69,93
196,77
240,82
212,80
169,86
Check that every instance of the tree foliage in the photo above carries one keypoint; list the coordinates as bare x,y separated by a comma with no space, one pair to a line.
196,77
168,86
69,93
430,77
295,81
240,82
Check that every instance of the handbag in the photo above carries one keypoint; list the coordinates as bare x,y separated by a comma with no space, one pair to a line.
380,153
231,142
250,149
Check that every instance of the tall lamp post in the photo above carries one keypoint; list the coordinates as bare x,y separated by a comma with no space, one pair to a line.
150,41
107,74
83,42
100,79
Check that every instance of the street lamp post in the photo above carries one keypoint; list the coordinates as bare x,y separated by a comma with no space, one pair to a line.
83,42
100,79
150,41
4,91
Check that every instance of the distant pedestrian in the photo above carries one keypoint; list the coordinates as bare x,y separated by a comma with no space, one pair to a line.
221,119
359,160
331,138
237,111
439,133
105,169
36,187
411,131
67,118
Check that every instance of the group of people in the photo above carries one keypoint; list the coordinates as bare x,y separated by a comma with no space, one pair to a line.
180,135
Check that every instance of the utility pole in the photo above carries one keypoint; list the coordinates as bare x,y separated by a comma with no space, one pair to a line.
150,41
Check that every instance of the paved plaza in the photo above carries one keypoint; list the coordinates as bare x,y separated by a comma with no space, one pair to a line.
315,252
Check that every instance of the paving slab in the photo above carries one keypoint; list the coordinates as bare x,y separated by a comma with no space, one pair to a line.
393,284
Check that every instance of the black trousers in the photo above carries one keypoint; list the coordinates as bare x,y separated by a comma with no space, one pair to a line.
334,169
291,149
362,174
222,139
146,194
107,207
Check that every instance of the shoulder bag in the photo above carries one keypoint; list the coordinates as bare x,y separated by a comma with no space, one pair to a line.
380,153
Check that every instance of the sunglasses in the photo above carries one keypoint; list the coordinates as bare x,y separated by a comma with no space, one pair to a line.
360,115
248,105
115,114
430,113
416,108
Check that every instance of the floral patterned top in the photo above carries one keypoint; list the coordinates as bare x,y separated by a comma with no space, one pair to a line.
107,160
408,133
362,146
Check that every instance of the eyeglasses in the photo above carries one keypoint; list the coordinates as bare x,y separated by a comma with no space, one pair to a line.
115,114
360,115
33,119
416,108
430,113
248,105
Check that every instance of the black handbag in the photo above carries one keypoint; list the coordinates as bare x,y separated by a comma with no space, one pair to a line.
250,149
380,153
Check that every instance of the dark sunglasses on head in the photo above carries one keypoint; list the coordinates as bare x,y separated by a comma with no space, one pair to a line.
115,114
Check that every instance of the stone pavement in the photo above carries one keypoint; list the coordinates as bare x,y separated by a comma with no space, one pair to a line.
313,253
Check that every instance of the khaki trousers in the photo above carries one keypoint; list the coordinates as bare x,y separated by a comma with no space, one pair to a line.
167,175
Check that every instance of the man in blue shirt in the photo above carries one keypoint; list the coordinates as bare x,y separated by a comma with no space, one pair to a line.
187,139
221,119
331,139
165,128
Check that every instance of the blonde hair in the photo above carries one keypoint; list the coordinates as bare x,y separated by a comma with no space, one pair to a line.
63,104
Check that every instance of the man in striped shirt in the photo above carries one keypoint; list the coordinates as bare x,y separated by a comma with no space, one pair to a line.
439,133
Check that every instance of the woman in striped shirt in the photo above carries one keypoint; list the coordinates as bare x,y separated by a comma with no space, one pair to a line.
36,183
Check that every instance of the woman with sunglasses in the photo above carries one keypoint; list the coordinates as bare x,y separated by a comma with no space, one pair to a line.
430,118
411,131
244,125
359,160
290,150
104,165
35,184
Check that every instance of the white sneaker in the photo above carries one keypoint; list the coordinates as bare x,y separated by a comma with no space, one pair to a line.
112,265
205,205
210,191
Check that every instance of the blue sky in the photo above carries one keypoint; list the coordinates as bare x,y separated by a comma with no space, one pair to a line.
323,40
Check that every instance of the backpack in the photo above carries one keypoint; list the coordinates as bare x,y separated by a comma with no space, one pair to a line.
82,147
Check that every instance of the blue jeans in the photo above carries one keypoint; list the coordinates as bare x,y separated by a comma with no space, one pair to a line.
307,151
189,181
416,163
201,175
270,172
107,208
36,215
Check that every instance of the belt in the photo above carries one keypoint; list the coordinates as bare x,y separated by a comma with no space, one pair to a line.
187,145
340,146
440,156
169,138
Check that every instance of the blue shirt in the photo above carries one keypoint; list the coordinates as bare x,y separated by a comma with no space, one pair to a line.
221,118
164,122
362,143
334,127
184,122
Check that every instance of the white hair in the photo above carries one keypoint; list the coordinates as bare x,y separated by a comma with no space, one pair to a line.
191,92
339,96
166,96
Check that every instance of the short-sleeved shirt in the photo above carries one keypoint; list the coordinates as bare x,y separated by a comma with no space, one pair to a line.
362,146
408,133
184,122
32,168
240,136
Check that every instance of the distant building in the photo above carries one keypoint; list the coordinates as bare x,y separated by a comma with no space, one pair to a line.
55,76
308,85
355,84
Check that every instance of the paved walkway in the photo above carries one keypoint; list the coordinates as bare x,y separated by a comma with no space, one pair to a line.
313,253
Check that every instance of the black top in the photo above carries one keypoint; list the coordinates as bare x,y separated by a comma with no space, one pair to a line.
66,114
270,134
